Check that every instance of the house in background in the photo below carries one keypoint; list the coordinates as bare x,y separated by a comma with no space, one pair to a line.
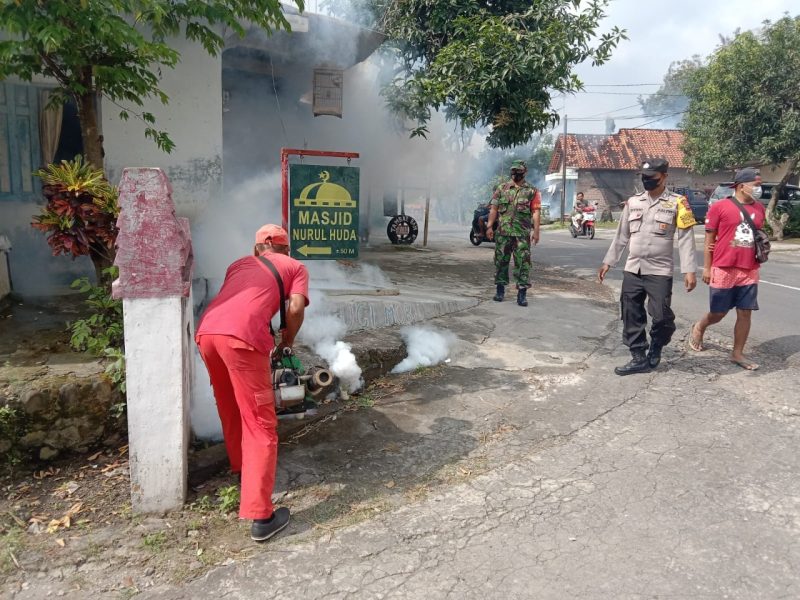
32,136
228,115
606,167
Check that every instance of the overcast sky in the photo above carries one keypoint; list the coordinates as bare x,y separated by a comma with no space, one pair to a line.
659,33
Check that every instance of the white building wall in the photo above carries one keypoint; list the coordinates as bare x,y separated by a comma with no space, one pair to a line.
193,119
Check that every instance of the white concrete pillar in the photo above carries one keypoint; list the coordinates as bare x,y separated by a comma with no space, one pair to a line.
154,256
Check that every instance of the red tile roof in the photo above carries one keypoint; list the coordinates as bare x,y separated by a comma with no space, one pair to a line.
619,151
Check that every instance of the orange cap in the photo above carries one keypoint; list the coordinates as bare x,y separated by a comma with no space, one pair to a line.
272,234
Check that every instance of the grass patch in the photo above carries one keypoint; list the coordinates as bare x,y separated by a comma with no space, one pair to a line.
427,371
203,504
155,541
364,400
10,543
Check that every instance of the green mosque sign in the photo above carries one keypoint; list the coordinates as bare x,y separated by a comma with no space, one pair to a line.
323,220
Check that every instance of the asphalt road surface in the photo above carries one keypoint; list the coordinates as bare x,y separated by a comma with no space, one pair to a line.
777,323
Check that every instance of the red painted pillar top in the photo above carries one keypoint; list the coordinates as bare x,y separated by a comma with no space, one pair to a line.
154,247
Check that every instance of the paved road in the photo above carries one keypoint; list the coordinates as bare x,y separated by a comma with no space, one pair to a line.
526,469
776,326
779,293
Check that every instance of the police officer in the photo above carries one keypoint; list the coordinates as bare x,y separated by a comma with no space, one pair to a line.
517,206
648,226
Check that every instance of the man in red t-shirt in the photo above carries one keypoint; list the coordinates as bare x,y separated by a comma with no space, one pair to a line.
730,267
235,343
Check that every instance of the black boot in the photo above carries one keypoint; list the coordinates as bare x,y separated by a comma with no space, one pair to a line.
521,300
654,355
501,293
638,364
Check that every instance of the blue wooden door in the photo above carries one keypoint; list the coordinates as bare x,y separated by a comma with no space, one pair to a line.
19,142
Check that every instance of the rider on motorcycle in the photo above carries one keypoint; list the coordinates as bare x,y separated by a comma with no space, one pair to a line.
481,218
577,213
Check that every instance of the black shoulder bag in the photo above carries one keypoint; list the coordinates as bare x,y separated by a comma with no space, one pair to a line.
760,237
281,291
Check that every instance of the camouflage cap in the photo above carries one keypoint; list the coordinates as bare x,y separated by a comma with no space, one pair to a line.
519,164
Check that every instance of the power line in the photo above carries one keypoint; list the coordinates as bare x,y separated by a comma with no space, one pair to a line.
620,84
600,114
631,94
278,101
661,119
623,117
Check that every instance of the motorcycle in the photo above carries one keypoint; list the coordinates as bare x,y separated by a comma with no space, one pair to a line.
477,233
587,226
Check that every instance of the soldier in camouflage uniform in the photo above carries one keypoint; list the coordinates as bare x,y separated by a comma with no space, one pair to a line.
516,204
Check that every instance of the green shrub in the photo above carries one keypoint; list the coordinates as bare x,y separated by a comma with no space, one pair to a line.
228,498
12,429
793,226
101,333
103,329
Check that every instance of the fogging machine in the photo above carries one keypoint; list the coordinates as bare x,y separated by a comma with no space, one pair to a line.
293,388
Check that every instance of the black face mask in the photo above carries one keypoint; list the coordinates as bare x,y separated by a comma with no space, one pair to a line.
650,183
517,177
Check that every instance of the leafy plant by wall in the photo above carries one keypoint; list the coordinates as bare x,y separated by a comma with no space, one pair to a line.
81,213
12,428
101,333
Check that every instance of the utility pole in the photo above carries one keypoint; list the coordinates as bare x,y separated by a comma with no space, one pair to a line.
564,171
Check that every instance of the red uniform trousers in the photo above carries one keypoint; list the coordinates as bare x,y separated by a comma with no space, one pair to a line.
242,382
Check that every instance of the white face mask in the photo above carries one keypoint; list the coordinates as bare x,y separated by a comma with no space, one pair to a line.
756,192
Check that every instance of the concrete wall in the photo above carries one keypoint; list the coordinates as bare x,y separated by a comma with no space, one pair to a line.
34,269
610,188
772,174
193,119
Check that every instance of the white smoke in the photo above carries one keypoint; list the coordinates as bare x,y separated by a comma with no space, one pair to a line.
203,408
323,332
332,275
426,347
226,231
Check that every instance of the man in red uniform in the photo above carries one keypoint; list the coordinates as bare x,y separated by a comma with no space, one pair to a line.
730,266
235,343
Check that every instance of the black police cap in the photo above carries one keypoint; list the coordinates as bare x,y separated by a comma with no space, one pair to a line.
654,166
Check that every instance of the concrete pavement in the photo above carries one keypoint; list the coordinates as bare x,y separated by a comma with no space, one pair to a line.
526,469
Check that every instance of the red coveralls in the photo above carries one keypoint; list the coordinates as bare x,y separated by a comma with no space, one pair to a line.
235,343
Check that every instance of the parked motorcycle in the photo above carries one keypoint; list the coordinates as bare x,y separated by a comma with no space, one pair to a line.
587,226
477,233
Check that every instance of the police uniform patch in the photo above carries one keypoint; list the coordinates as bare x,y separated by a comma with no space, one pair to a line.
685,215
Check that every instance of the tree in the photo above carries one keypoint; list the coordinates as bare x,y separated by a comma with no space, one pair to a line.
539,157
485,63
744,106
116,49
671,99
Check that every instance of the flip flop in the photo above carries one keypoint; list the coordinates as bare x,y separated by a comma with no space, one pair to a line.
746,365
697,347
